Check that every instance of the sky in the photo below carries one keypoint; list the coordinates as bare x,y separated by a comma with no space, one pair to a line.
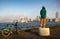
29,8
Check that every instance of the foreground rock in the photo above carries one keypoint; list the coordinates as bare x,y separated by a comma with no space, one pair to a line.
33,34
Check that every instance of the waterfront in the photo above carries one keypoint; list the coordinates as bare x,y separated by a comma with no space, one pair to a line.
27,25
33,34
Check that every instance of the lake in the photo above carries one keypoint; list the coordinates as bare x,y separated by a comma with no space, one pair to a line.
27,25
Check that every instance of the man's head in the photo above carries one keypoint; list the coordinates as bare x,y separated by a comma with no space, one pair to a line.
43,7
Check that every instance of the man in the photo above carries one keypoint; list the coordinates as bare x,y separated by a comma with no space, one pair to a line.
43,16
16,26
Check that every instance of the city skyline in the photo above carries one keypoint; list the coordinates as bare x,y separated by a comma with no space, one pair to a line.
28,8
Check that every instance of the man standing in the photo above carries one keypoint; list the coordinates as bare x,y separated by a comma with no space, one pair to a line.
43,16
16,31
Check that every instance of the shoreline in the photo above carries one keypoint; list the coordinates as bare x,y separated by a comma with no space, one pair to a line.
33,34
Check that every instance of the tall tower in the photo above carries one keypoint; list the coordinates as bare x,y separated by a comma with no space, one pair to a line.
57,14
57,17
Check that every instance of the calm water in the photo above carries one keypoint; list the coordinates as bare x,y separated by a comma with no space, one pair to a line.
27,25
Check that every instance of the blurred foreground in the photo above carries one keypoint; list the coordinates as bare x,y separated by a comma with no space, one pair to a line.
33,34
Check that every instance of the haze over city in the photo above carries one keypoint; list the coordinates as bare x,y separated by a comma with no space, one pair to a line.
28,8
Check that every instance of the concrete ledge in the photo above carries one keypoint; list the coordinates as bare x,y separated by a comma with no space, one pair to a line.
44,31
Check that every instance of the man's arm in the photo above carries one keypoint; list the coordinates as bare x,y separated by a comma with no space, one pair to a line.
40,12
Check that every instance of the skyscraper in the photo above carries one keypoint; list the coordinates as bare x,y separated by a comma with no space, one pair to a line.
57,15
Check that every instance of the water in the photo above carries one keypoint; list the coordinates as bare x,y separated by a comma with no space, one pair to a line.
27,25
